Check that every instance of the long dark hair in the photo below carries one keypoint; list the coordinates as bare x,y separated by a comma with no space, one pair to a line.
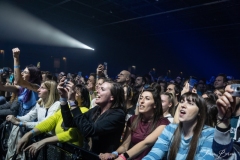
158,112
199,101
35,77
84,95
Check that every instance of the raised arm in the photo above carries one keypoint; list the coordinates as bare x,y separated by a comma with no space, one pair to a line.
17,73
8,88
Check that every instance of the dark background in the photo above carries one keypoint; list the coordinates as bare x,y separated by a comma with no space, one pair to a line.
196,37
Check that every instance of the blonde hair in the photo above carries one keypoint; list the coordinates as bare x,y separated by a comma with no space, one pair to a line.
53,95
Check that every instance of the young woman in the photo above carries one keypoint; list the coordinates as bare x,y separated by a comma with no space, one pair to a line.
190,139
47,105
167,105
150,119
55,123
27,84
104,123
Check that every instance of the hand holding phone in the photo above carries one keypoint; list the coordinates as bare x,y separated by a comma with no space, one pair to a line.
192,82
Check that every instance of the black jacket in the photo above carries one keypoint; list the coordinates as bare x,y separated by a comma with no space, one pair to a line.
105,130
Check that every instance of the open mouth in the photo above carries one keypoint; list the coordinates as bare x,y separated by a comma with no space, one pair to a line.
182,112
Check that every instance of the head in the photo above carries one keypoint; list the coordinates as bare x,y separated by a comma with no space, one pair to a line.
174,89
219,92
82,96
193,111
46,76
99,82
140,81
124,77
32,74
91,82
61,75
167,102
48,93
220,81
110,93
210,94
150,107
178,80
163,85
211,119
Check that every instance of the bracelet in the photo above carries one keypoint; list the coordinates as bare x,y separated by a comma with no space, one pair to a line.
63,99
17,66
126,155
115,153
72,103
122,156
33,133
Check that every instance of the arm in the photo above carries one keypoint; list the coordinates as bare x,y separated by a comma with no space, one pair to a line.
161,146
17,74
35,147
9,88
108,124
147,142
123,148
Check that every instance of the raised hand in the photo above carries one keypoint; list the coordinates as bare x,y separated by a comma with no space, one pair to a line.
16,52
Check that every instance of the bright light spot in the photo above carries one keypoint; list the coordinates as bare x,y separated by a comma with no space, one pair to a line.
21,26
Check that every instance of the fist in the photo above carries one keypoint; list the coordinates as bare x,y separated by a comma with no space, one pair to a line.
16,52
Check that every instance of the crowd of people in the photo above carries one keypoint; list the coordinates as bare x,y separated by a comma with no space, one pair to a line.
131,117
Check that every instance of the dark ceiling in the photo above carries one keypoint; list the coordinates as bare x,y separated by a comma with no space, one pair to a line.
196,37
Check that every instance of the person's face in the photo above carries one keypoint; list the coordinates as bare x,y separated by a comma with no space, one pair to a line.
219,82
104,95
60,76
138,82
90,82
78,96
178,80
25,74
43,77
218,93
188,111
43,92
146,103
98,84
162,86
165,103
170,89
122,77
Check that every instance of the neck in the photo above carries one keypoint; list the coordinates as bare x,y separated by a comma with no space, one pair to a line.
165,113
188,128
44,100
105,107
147,117
175,101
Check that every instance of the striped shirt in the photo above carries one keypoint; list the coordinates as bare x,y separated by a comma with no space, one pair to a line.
163,144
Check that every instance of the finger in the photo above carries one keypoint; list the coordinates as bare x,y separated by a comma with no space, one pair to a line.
226,101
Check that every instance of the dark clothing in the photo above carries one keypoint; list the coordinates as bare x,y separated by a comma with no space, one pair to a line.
105,130
141,132
9,108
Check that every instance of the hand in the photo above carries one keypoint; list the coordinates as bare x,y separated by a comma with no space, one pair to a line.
71,91
100,69
22,143
107,156
35,147
62,90
16,52
226,104
185,89
12,119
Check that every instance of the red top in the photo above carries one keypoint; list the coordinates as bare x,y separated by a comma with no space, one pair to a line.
141,132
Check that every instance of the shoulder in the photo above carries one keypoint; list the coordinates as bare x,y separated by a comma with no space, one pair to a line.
163,121
208,131
171,127
83,109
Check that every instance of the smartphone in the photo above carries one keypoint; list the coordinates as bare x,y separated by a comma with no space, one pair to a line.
192,81
236,90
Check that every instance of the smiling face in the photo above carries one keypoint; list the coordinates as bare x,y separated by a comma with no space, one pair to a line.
104,95
25,74
146,103
43,92
188,110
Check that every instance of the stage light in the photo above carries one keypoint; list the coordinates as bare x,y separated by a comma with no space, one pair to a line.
21,26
